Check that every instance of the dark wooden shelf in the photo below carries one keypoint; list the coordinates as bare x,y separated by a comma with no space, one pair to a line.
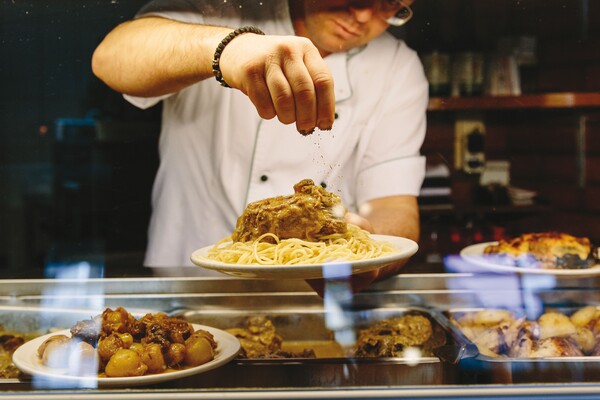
542,101
448,209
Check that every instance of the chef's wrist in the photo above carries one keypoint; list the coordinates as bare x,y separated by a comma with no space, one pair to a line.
216,64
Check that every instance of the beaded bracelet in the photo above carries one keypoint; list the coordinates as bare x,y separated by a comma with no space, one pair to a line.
216,68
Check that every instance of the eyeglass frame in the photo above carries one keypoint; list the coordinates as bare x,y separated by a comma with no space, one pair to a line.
394,20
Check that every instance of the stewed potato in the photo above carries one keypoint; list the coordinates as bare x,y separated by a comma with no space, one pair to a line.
152,356
119,345
125,362
200,348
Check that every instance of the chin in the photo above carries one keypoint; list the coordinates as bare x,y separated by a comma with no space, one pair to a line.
336,45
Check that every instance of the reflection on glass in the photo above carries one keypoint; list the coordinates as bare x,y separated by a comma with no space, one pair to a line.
338,296
73,358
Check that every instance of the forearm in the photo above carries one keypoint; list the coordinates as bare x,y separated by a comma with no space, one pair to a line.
155,56
397,216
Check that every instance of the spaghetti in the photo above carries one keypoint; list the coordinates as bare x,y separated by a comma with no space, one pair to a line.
355,244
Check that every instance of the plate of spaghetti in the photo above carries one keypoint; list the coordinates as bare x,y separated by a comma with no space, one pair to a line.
298,259
301,236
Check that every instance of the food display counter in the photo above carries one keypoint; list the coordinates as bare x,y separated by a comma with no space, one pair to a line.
510,156
455,368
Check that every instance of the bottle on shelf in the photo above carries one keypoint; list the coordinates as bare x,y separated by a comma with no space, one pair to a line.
437,69
468,74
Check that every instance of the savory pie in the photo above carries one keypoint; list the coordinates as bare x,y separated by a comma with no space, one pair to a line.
548,250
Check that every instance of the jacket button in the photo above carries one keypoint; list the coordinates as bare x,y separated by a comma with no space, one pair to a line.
264,178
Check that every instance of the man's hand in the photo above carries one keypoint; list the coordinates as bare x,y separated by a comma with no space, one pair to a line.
356,282
396,215
284,76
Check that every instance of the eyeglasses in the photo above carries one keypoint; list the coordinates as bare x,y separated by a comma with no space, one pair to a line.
395,12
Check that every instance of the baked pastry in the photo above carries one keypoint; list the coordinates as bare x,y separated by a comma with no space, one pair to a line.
548,250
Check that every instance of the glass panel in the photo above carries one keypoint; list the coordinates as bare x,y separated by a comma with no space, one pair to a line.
115,180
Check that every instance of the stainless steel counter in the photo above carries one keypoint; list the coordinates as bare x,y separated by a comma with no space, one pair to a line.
30,305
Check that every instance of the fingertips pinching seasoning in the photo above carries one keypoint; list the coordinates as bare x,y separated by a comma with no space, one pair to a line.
306,132
325,125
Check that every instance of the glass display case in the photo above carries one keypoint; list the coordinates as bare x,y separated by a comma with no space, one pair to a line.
510,149
446,364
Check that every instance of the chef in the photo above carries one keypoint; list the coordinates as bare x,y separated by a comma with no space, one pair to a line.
258,95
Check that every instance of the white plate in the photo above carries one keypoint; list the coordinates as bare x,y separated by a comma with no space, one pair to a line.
27,360
474,255
406,248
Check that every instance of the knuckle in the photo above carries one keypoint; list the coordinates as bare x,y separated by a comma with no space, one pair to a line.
266,113
305,42
285,119
322,81
304,93
282,52
254,70
284,106
283,97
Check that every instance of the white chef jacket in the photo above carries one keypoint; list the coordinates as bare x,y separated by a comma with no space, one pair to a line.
217,154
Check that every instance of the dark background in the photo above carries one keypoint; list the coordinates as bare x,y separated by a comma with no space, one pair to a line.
77,161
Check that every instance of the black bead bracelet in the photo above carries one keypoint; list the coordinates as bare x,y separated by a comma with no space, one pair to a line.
216,68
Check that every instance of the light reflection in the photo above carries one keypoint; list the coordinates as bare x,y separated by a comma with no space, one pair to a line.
72,357
338,295
76,270
67,292
338,211
412,355
501,290
530,285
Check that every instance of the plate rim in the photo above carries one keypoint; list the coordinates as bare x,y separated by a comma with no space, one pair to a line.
228,346
307,271
467,253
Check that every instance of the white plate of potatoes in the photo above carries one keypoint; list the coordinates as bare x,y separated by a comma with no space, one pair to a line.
28,360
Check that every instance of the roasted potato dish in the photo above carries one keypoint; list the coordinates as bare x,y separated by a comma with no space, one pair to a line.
116,344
